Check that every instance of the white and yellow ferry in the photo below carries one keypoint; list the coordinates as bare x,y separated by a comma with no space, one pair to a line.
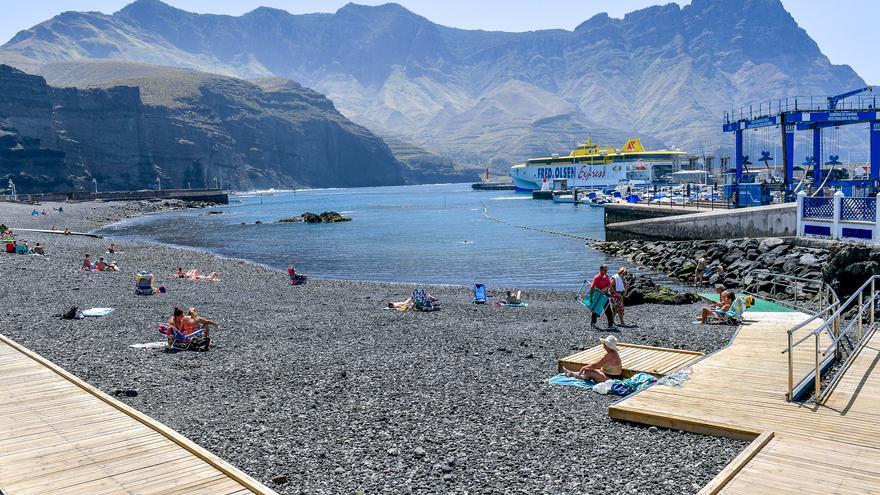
591,165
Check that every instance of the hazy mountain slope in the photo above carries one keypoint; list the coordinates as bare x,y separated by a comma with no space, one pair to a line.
135,124
665,73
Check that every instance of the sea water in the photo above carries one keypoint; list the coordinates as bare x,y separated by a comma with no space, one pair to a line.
427,234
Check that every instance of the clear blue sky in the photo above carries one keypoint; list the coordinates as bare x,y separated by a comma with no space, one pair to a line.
834,25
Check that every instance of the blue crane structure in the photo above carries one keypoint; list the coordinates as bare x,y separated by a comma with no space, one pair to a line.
810,114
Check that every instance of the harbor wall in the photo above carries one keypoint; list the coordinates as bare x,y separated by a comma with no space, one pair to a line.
206,195
778,220
626,212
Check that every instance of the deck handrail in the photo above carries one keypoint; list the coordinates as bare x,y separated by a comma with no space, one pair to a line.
832,326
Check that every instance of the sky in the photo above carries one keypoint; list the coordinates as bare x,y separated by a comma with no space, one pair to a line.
854,47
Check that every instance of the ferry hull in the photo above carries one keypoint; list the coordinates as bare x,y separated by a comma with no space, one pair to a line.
530,178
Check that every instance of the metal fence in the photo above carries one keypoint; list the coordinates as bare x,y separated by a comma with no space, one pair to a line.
822,207
858,209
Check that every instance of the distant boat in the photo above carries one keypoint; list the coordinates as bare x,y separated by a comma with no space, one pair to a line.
590,165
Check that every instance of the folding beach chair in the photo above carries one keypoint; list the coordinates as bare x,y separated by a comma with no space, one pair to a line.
421,301
733,316
144,284
595,301
479,294
195,341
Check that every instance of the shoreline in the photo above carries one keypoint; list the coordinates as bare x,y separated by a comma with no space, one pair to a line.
320,384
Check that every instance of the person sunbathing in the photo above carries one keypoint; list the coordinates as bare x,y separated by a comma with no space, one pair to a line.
38,249
185,324
87,263
607,368
514,297
723,306
202,323
403,305
194,274
103,266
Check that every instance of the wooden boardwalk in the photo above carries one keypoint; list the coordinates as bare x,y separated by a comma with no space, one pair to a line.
739,392
61,435
658,361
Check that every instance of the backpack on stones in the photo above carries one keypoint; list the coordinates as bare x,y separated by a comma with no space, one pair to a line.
72,313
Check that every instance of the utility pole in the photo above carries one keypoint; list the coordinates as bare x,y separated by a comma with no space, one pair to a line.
159,182
95,182
12,190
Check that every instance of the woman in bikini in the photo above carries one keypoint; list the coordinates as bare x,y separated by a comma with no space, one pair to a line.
608,368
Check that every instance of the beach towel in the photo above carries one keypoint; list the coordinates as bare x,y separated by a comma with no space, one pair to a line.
571,381
95,312
509,305
149,345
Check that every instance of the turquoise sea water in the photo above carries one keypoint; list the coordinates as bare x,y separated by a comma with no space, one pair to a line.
421,234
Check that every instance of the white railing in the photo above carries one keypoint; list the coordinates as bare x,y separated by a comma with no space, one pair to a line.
839,217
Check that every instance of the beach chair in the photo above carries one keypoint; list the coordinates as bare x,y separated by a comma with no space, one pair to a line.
733,316
144,284
595,302
480,294
295,278
421,301
195,341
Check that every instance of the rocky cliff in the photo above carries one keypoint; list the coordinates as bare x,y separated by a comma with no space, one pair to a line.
136,126
666,73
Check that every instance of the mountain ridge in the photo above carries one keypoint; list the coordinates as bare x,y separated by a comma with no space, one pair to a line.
665,72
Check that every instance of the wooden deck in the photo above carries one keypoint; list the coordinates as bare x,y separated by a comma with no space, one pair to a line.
739,392
61,435
658,361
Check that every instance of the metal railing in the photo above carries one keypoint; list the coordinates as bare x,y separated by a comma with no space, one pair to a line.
798,293
833,317
800,104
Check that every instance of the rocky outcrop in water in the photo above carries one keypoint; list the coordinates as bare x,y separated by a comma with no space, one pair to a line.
309,217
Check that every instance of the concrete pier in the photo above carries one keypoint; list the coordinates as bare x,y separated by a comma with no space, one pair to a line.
207,195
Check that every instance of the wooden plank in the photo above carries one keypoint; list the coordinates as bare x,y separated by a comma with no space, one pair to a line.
658,361
736,465
57,433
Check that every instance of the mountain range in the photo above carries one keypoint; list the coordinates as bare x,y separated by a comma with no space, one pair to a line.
665,73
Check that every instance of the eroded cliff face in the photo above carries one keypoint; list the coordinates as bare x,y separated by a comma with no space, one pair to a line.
181,129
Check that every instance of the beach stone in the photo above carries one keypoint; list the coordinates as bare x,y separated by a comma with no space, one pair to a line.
769,243
419,452
125,392
280,479
653,429
809,260
339,470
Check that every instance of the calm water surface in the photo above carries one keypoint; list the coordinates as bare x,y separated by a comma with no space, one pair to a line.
421,234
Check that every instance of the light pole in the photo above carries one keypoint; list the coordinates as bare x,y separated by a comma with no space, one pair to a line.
216,183
95,182
159,182
12,189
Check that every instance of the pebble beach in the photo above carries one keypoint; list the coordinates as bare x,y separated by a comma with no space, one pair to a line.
319,387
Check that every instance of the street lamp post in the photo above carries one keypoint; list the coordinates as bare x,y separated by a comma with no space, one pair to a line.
95,182
12,190
159,182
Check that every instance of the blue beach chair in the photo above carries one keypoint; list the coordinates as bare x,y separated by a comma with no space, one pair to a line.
732,316
595,301
479,294
178,341
421,300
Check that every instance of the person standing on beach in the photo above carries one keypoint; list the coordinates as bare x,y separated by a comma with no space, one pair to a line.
618,291
698,272
602,283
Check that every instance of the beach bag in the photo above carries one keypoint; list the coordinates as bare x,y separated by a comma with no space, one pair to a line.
72,313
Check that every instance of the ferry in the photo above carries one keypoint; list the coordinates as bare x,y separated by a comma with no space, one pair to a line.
591,165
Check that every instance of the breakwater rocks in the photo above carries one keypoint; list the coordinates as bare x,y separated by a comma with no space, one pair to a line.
730,262
308,217
734,262
644,290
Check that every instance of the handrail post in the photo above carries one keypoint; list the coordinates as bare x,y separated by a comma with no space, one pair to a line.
818,378
873,279
860,316
788,396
